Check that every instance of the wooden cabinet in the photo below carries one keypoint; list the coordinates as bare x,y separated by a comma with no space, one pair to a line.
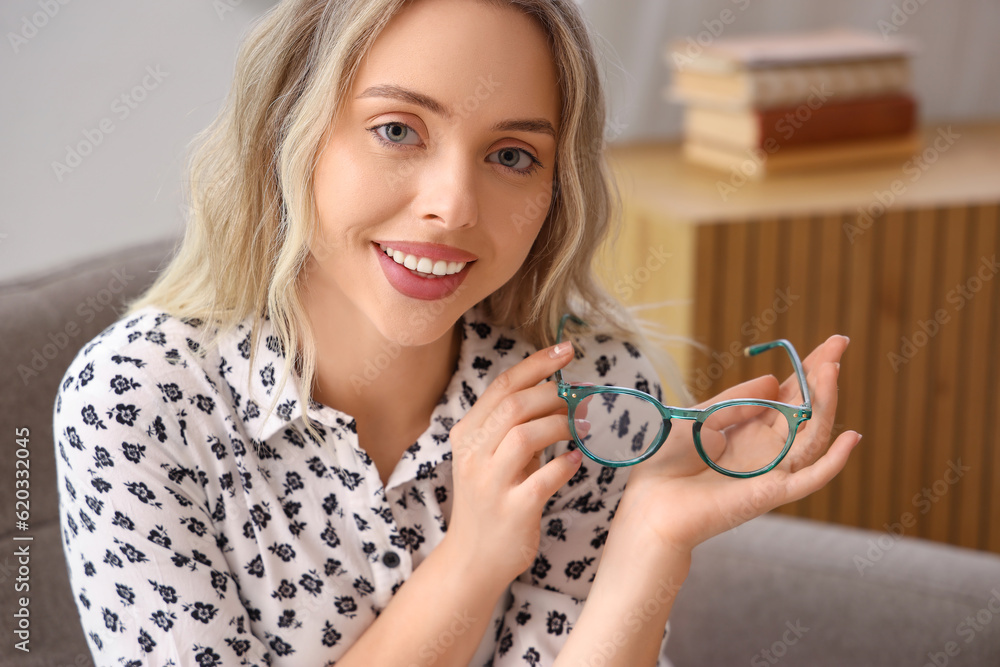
902,258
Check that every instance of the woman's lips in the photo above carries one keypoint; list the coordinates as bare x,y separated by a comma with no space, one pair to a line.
433,251
412,284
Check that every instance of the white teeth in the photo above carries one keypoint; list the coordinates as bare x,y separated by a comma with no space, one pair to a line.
423,264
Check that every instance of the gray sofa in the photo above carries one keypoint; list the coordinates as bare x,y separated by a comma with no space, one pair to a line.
777,590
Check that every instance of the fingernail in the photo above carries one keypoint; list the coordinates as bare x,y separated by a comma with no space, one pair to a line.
582,426
574,455
559,350
858,440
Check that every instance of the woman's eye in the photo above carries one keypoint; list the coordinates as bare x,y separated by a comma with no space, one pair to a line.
516,159
396,133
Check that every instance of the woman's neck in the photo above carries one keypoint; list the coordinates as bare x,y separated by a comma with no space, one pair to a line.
361,373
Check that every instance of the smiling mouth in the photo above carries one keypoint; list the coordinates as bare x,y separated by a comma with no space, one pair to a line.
425,267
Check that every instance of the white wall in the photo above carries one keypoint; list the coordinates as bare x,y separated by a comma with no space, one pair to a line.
66,77
58,86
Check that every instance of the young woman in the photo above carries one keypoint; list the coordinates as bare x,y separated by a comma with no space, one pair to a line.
324,435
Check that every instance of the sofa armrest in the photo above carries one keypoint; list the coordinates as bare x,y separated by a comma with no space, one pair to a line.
792,591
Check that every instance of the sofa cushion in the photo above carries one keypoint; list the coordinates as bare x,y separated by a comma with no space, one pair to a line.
44,321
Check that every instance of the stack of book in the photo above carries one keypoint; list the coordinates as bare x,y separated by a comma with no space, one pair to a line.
773,103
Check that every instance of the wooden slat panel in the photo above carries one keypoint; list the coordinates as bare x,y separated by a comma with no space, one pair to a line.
885,315
760,327
990,522
801,233
854,374
944,350
973,404
708,288
914,373
828,318
732,304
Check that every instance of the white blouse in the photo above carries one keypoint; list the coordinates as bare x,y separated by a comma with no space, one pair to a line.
199,530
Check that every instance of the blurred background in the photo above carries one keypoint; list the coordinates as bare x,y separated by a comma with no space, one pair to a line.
100,101
66,73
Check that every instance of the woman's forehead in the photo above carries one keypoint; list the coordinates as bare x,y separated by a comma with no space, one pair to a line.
460,54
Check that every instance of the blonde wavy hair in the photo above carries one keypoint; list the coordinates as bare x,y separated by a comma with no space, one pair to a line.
251,211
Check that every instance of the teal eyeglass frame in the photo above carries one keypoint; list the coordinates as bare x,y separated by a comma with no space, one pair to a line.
574,394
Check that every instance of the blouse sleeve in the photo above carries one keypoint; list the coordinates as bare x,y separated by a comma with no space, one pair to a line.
546,599
150,580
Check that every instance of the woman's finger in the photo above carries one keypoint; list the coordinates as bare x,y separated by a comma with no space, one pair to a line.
814,436
552,476
526,374
831,350
524,441
813,477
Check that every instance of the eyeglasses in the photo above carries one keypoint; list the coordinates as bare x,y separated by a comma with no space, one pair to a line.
634,432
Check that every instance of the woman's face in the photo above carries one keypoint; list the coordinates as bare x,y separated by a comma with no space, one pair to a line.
449,138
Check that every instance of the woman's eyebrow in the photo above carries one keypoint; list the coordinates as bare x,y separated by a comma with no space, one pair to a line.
540,125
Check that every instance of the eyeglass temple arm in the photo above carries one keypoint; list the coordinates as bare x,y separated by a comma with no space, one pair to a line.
559,335
754,350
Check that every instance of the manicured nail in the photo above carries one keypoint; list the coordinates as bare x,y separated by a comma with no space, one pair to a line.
582,426
559,350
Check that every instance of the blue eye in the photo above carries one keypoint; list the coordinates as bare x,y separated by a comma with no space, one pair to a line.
396,132
510,157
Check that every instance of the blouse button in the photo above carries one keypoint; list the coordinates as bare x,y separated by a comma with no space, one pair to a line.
390,559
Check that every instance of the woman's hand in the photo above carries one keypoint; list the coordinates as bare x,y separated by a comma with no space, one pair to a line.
675,497
500,485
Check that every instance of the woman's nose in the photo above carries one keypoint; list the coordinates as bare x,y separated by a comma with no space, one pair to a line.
447,191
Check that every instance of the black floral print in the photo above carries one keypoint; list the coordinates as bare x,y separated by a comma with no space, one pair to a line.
201,529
